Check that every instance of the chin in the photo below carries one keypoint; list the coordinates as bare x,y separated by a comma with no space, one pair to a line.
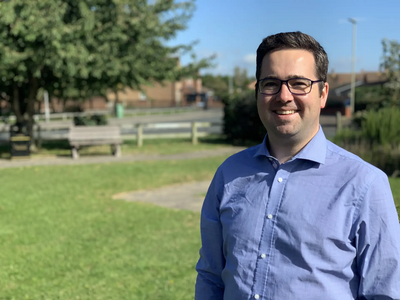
287,131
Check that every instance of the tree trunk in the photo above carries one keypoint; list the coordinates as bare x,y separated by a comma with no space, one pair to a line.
33,89
16,103
23,102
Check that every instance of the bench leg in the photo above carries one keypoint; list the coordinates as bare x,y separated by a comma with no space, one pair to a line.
116,150
75,153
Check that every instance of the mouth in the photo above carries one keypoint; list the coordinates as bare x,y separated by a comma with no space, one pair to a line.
285,112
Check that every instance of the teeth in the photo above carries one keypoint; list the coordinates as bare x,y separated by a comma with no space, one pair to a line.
285,112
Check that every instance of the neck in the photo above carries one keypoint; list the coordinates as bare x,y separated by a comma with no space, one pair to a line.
284,149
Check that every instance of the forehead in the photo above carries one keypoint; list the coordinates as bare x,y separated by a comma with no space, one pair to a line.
288,63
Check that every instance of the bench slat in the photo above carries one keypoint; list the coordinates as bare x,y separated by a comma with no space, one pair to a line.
94,135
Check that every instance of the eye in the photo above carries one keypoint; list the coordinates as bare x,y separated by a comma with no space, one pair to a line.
269,83
299,83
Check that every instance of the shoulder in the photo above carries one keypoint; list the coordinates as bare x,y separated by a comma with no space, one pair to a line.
351,164
241,164
242,157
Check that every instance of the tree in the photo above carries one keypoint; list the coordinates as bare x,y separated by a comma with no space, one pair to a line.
391,66
240,79
79,48
372,97
217,83
220,83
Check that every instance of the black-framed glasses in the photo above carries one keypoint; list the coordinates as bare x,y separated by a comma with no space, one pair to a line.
297,86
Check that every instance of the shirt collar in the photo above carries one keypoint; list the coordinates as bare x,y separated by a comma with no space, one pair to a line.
315,150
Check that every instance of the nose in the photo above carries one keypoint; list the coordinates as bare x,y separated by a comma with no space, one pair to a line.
284,94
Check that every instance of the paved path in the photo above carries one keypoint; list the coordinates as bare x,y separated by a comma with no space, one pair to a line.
188,196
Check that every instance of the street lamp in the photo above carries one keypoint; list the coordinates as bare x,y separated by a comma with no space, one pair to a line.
353,68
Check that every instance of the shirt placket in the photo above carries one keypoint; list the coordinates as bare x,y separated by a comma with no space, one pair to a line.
265,253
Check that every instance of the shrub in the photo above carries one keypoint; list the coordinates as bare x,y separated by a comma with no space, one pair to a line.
376,138
382,126
93,120
242,124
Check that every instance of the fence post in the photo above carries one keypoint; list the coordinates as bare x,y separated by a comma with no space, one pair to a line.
194,133
139,136
338,121
39,137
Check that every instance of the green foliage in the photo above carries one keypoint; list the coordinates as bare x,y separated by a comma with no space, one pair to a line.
217,83
395,186
76,49
391,66
220,84
382,126
372,97
377,139
384,94
242,124
240,79
92,120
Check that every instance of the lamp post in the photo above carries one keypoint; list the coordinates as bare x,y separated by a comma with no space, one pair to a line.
353,68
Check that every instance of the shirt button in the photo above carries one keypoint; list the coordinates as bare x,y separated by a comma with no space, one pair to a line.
256,296
263,255
280,179
269,216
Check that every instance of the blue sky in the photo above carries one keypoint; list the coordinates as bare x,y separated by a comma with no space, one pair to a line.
233,29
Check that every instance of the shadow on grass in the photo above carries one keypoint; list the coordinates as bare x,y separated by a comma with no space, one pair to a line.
58,148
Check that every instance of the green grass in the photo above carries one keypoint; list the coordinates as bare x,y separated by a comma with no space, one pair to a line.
63,237
395,186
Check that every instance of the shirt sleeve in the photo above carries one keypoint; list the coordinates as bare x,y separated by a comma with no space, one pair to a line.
209,284
378,243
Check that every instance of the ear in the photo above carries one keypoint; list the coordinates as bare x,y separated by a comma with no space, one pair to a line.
324,94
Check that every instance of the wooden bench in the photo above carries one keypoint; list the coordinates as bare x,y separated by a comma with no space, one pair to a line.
80,136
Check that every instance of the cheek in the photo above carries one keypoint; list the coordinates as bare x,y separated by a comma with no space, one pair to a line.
262,103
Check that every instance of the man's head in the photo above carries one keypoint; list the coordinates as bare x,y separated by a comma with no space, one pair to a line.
291,87
294,40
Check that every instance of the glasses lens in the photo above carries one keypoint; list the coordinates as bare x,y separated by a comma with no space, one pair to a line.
270,86
299,86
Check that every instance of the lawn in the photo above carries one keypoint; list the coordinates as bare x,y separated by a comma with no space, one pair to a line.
63,237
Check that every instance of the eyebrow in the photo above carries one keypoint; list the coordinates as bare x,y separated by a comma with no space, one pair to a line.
289,77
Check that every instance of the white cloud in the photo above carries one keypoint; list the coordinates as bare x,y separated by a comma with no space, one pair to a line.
250,58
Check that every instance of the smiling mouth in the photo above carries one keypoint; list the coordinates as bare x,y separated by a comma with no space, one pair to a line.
285,112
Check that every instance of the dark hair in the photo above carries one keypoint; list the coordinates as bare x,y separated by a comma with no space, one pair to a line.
294,40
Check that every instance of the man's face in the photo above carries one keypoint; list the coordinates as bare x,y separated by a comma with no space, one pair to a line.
289,117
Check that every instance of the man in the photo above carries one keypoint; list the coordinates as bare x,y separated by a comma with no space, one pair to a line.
297,217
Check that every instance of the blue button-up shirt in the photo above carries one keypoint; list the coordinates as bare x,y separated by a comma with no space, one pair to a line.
320,226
